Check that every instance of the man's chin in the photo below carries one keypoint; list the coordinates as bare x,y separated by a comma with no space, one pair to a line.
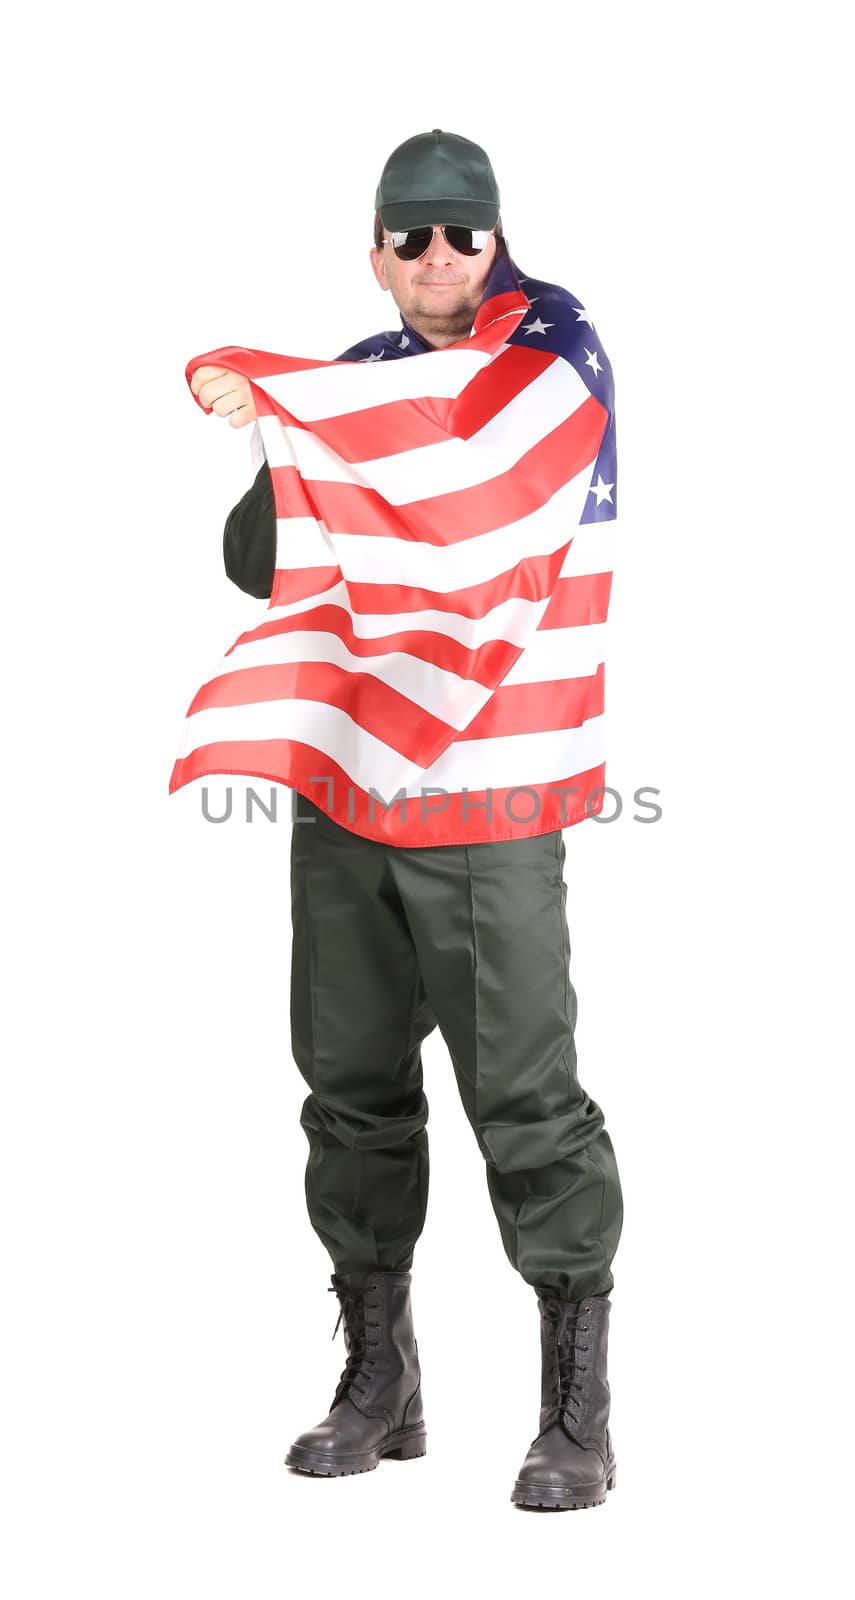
441,303
444,308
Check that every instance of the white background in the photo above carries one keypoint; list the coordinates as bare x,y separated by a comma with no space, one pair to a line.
190,176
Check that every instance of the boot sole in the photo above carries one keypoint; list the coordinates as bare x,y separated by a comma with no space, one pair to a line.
571,1499
404,1445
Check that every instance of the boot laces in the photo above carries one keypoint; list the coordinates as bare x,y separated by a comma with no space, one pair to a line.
353,1308
568,1386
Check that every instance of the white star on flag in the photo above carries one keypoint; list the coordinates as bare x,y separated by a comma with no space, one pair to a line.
377,357
537,326
582,316
592,361
404,342
603,491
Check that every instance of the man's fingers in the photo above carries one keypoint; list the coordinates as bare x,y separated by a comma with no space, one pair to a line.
237,395
214,390
225,393
202,374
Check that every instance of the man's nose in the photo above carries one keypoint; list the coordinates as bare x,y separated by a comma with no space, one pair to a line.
439,251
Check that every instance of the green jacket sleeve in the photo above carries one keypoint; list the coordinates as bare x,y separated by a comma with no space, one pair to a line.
249,538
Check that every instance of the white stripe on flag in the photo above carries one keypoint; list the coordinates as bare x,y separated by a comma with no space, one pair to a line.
346,386
476,763
422,682
514,621
592,550
548,655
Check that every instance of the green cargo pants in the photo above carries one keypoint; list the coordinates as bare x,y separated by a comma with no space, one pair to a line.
390,942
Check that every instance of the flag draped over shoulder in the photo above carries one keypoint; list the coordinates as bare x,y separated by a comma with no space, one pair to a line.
430,668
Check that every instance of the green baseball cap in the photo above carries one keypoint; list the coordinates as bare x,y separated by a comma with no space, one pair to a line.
437,177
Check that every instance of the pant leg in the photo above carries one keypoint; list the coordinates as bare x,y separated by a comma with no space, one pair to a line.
490,930
358,1017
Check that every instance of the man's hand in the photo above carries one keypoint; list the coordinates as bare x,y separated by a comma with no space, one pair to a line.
227,393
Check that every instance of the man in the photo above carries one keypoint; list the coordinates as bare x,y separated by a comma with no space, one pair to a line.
391,939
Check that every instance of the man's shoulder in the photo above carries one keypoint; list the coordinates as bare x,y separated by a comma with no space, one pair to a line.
379,347
553,300
560,323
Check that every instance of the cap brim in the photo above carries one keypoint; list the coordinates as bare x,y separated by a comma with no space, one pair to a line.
404,214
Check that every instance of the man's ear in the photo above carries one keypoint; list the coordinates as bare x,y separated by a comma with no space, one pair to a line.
378,266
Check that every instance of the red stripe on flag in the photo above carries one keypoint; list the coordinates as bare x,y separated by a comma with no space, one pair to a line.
500,305
496,386
531,579
368,701
412,424
578,600
487,664
291,584
538,707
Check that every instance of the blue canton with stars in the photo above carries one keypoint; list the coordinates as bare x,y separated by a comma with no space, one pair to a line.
557,322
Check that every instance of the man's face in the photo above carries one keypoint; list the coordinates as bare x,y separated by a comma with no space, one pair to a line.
440,293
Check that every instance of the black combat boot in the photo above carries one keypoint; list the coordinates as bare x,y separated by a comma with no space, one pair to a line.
570,1464
377,1408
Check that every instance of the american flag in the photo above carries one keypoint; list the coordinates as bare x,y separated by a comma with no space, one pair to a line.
430,667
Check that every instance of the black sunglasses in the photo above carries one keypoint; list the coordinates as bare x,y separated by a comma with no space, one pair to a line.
411,243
